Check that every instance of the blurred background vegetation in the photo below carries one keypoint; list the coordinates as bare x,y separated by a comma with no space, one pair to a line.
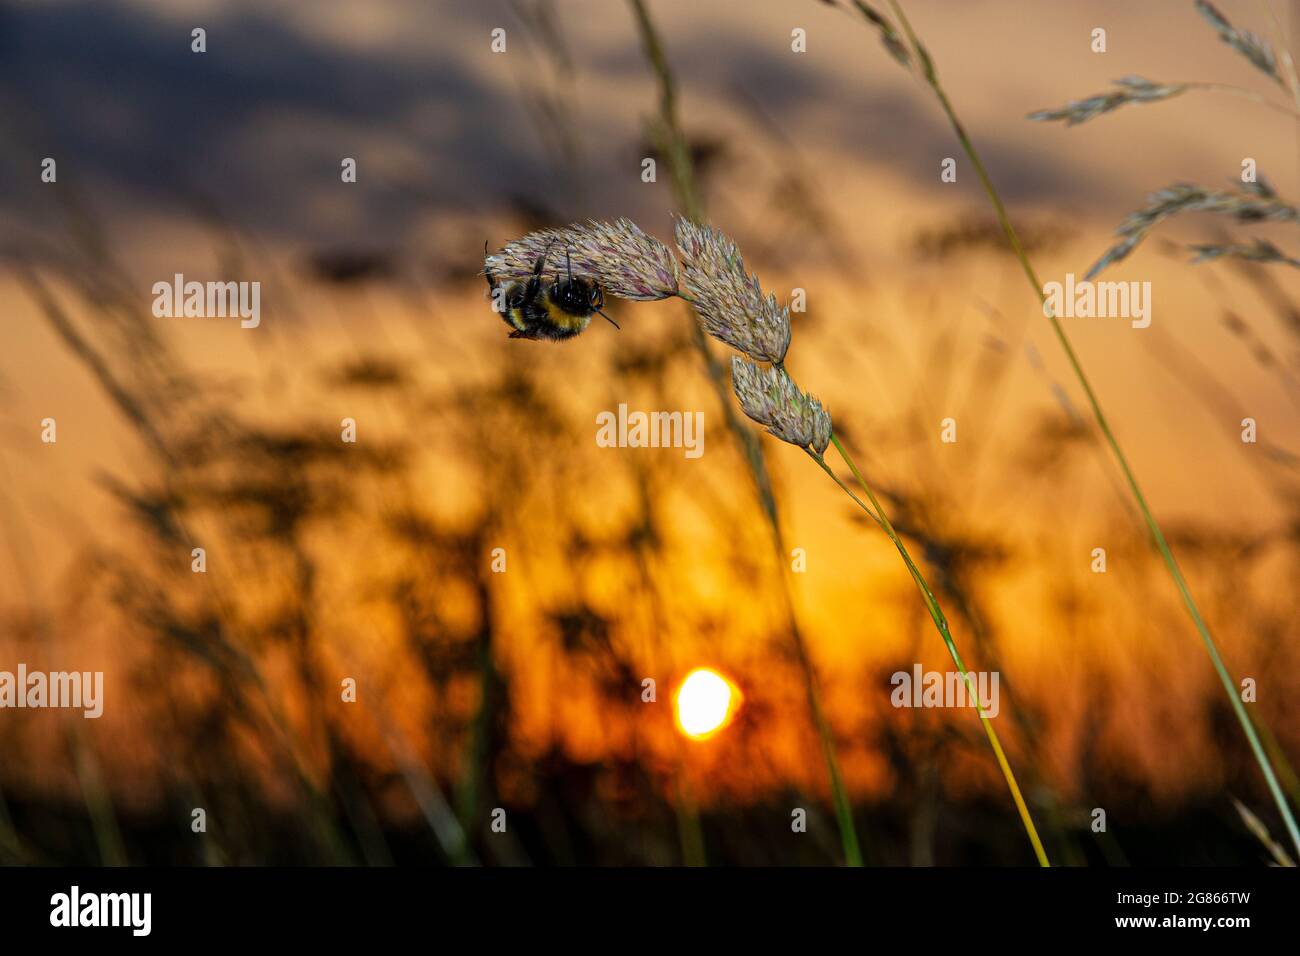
523,689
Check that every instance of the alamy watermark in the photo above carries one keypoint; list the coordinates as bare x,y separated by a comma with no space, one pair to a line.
921,688
626,429
209,300
76,690
75,908
1084,299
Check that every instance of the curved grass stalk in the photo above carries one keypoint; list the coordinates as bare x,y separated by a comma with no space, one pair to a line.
677,149
709,272
1157,536
877,514
1289,110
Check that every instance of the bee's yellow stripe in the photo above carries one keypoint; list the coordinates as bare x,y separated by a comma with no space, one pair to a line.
565,320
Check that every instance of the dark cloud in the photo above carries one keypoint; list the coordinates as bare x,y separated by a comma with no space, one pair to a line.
118,98
887,125
257,126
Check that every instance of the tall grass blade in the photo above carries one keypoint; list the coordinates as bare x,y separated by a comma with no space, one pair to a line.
1157,535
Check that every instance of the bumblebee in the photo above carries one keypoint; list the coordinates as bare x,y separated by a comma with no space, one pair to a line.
546,307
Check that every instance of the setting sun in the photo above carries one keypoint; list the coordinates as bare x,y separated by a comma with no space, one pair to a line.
706,702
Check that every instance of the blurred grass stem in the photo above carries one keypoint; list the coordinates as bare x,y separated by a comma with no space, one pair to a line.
1229,685
674,145
877,514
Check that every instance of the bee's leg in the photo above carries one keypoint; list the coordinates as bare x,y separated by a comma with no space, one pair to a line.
531,289
541,260
535,281
487,270
523,306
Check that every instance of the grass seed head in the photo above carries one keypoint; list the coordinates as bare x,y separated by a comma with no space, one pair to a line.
1132,89
770,397
1254,49
730,302
626,262
1261,250
1253,202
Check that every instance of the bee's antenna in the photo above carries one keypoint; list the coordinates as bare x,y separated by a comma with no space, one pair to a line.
608,319
568,263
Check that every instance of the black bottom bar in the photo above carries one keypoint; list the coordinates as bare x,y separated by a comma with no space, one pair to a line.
335,905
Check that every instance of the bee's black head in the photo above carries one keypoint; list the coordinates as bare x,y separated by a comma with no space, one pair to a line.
578,296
